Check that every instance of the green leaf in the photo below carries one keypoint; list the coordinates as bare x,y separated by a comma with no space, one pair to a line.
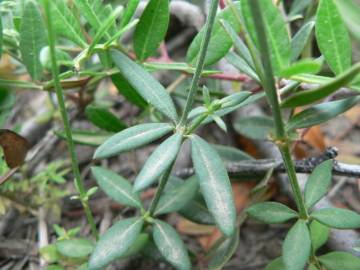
318,183
65,24
312,267
231,154
214,184
220,43
223,253
94,11
277,35
132,138
310,96
171,246
297,246
332,37
104,27
152,28
234,99
340,261
300,39
85,137
255,127
350,11
178,197
298,6
158,162
271,212
321,113
75,248
239,45
149,88
241,65
319,234
32,39
309,66
116,187
115,242
128,91
337,218
196,211
103,118
277,264
129,12
138,245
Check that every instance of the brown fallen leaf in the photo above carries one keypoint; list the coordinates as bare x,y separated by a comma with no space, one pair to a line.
15,147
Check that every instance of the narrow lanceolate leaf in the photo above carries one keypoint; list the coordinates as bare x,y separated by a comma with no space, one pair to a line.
94,11
350,11
223,253
149,88
66,24
32,39
277,264
337,218
321,113
239,45
116,187
277,35
318,183
220,42
308,66
115,242
171,246
128,91
300,39
196,211
132,138
310,96
86,137
339,260
214,184
160,160
129,12
255,127
319,234
103,118
152,28
178,197
75,247
297,246
332,37
241,65
271,212
104,27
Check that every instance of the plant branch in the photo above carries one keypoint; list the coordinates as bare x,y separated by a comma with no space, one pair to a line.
60,96
268,82
163,180
200,62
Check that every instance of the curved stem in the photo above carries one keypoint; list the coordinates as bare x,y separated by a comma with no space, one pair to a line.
60,96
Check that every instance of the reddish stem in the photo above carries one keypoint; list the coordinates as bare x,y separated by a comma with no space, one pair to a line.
229,77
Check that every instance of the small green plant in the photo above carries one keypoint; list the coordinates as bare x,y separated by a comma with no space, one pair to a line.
58,49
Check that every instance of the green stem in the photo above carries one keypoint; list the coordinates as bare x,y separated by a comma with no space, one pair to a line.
60,96
200,62
163,180
268,83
